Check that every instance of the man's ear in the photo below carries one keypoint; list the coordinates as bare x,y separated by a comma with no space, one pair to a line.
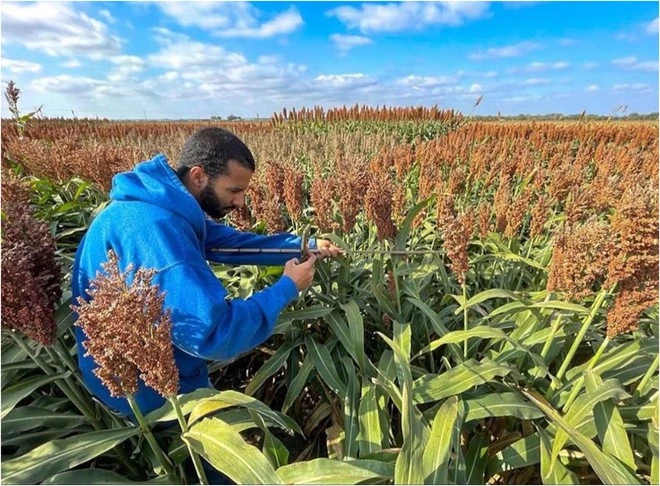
198,177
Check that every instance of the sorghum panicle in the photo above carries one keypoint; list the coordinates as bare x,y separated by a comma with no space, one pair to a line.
540,213
516,214
501,204
321,194
128,333
293,191
378,204
350,192
483,218
457,234
634,260
579,259
31,274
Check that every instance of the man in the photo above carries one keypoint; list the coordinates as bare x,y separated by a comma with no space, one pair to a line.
157,219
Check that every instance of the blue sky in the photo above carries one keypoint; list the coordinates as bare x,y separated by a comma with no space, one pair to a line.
197,59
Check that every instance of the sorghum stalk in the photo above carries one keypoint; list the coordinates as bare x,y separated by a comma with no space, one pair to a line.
551,337
647,377
527,253
184,428
61,383
578,386
65,355
160,456
465,320
75,391
600,298
74,397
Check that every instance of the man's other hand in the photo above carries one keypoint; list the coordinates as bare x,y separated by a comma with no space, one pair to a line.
302,274
327,249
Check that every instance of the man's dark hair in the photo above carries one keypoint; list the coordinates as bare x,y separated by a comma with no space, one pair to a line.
212,148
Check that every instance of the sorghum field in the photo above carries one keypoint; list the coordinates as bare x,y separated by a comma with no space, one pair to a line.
523,350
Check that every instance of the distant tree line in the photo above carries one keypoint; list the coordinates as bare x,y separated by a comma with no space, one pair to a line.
561,116
229,118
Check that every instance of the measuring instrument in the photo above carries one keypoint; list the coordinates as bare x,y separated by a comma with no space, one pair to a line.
297,251
304,250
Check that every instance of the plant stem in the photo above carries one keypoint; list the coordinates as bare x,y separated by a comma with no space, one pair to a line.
465,320
73,388
78,402
396,285
160,456
107,416
639,391
61,383
184,428
65,355
551,337
578,339
530,243
578,386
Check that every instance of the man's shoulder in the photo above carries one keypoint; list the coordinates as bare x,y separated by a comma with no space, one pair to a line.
137,217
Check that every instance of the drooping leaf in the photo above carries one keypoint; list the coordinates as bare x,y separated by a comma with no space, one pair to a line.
223,447
329,471
62,454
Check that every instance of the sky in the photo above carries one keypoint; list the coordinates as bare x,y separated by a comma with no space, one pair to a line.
157,60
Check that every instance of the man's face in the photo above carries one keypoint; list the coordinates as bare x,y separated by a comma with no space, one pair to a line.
226,192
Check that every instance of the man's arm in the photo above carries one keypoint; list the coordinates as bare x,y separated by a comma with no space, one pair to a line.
207,325
223,236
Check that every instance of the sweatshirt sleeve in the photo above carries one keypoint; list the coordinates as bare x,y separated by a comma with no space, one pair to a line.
223,236
208,325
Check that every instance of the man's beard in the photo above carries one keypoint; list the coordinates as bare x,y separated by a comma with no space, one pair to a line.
212,206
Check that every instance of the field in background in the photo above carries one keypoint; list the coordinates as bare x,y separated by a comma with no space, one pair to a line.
525,351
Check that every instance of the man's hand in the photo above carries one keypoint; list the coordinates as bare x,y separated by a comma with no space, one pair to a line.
302,274
327,249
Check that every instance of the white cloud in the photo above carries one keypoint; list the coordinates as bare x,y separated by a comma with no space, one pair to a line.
649,66
18,67
518,5
475,88
170,76
536,81
56,29
592,88
521,99
65,84
188,54
72,63
107,16
514,50
590,65
652,27
232,19
345,80
405,16
126,66
478,74
537,66
631,87
346,42
416,82
625,61
633,64
166,36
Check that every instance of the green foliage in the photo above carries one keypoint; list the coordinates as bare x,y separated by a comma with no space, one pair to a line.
382,372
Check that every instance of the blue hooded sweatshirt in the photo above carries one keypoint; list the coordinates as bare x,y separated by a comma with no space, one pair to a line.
154,222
